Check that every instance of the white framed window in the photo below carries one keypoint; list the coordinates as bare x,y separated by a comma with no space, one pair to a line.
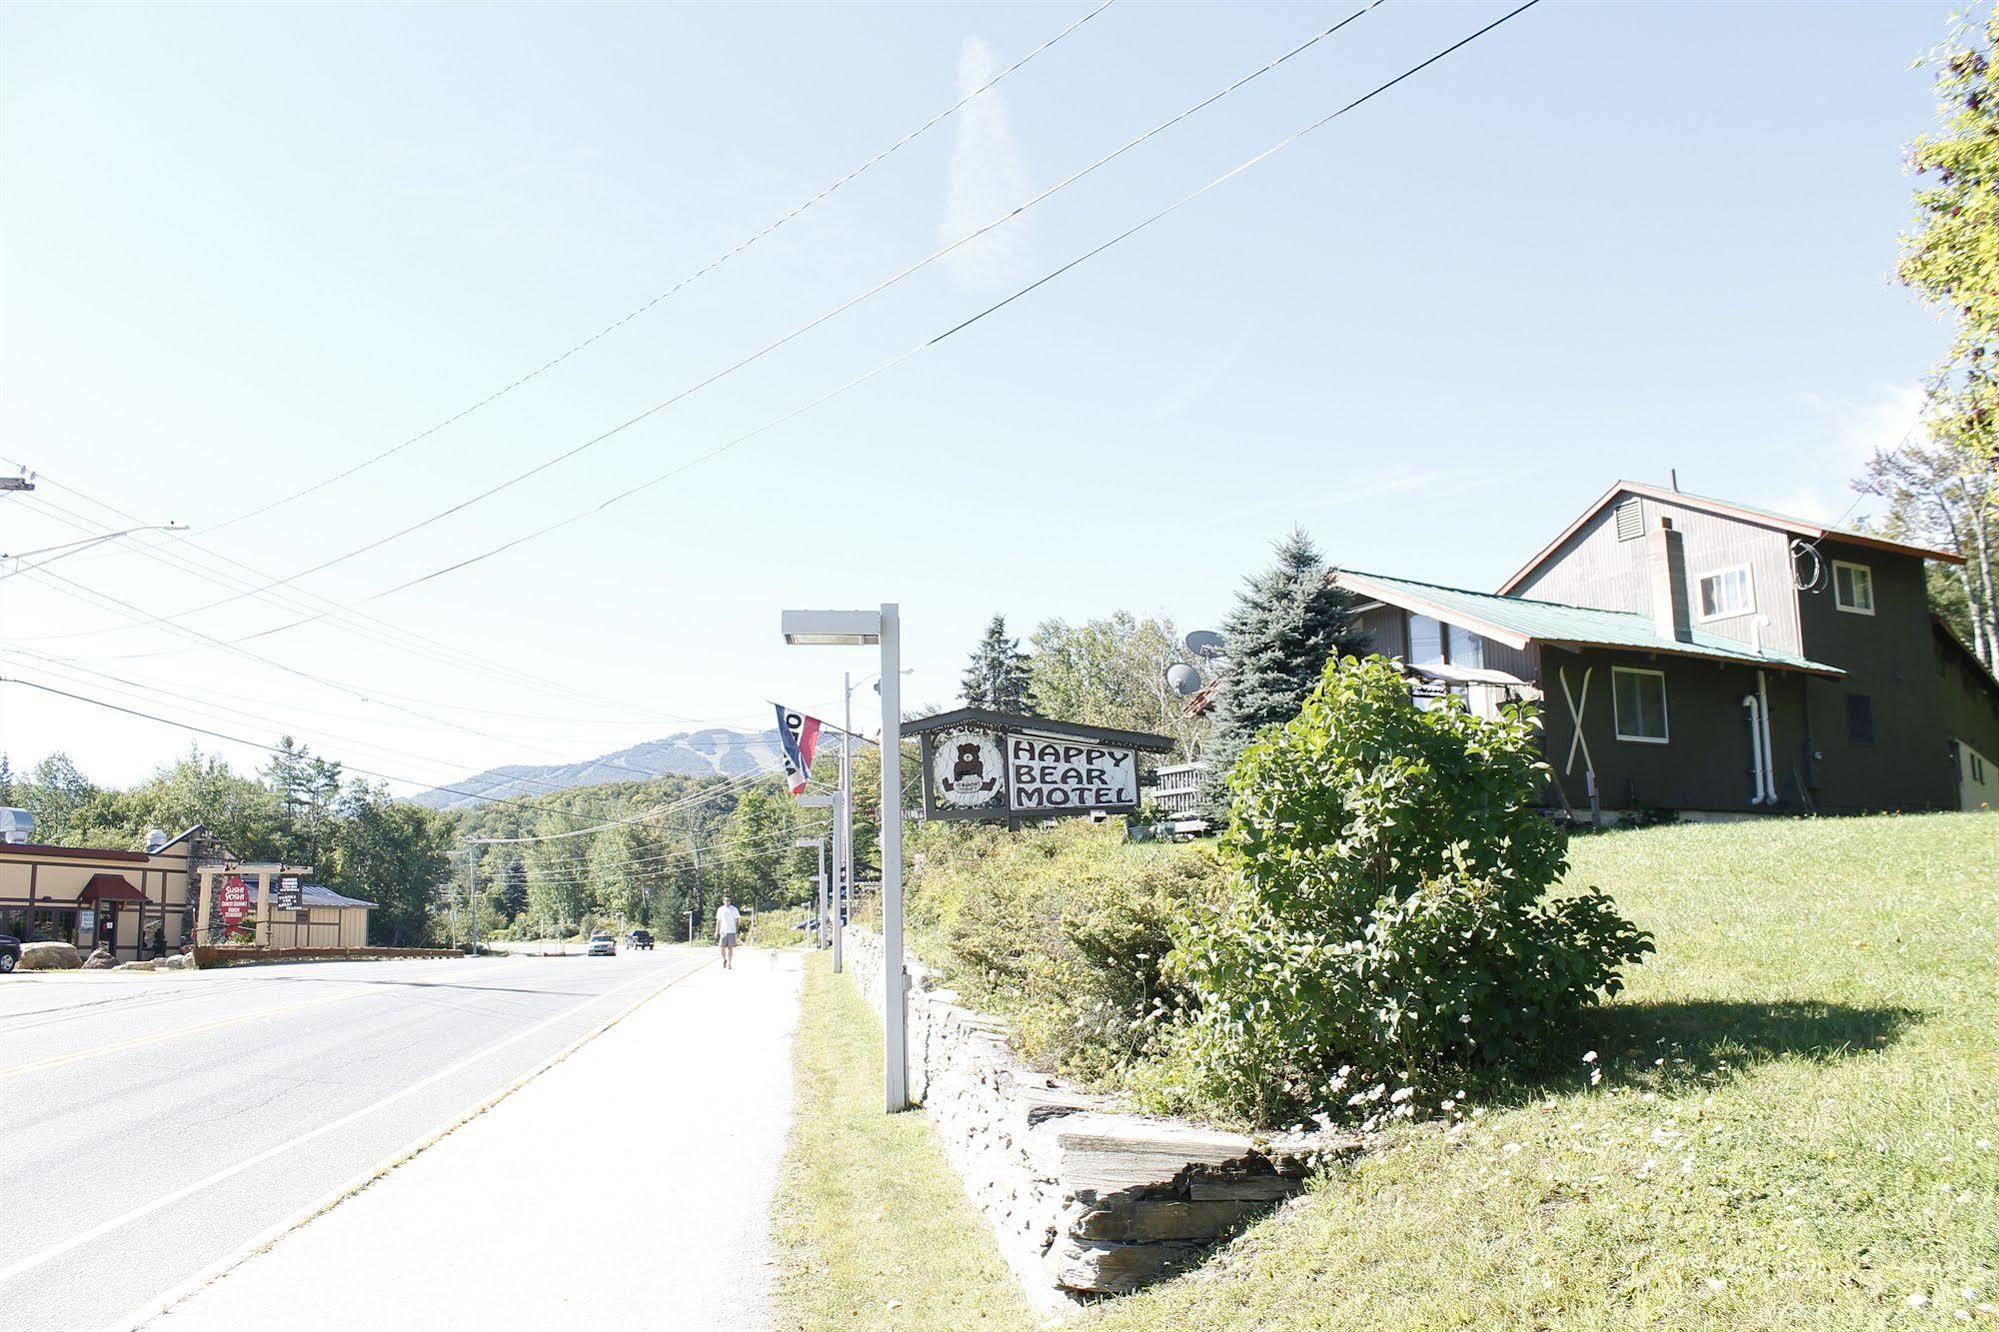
1426,641
1727,592
1853,588
1467,648
1638,700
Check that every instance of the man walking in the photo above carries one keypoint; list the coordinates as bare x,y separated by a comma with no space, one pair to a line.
726,917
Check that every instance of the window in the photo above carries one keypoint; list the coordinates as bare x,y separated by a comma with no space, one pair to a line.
1426,641
1467,648
1977,767
1860,719
1630,521
1727,592
1853,587
1639,699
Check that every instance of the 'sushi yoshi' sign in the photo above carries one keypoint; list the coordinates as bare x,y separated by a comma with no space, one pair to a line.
989,765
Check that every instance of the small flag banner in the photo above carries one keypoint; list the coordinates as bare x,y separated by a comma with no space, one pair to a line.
799,734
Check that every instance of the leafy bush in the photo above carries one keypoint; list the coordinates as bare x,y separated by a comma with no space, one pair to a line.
1384,920
1063,930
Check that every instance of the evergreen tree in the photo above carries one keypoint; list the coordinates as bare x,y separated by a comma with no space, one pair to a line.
1287,623
509,893
996,677
6,781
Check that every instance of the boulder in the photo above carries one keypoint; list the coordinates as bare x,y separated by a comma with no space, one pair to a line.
148,965
49,955
100,959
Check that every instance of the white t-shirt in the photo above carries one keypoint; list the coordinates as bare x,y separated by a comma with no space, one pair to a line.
725,920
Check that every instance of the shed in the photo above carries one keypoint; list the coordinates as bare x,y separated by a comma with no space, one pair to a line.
324,919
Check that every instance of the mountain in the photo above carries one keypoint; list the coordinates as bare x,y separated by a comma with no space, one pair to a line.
713,752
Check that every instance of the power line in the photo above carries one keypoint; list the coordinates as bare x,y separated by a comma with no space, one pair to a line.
797,332
271,749
389,634
746,779
952,331
677,287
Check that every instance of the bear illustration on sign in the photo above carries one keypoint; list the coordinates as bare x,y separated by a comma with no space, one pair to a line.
967,770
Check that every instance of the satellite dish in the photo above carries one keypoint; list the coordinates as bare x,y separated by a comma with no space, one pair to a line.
1183,679
1204,643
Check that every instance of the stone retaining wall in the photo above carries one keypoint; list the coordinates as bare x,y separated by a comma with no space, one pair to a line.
1086,1200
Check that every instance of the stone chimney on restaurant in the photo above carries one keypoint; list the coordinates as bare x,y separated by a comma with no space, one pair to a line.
1666,555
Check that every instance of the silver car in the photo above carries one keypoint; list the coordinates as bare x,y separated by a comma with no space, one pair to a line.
602,944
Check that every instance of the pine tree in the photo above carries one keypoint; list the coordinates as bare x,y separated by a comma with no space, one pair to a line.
996,677
6,781
1287,623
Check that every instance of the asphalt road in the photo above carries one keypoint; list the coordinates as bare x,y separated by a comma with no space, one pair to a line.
151,1126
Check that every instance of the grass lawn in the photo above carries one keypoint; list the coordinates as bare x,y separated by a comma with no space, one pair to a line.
873,1228
1797,1127
1797,1124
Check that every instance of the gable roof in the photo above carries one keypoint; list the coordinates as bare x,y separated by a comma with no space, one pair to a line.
1725,509
1518,621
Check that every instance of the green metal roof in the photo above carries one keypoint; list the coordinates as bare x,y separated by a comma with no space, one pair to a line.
1554,622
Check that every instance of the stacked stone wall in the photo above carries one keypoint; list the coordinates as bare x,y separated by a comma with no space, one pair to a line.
1086,1200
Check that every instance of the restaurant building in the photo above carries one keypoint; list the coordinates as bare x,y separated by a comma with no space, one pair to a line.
132,902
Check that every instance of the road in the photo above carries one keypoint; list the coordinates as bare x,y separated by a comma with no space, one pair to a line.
152,1126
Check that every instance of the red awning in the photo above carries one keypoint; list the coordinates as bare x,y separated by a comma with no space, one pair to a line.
110,888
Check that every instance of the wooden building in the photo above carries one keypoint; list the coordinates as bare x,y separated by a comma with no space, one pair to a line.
134,902
1698,655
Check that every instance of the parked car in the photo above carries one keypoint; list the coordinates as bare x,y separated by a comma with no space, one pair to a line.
10,953
602,944
639,939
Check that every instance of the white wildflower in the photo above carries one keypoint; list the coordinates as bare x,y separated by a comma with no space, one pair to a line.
1590,1058
1918,1300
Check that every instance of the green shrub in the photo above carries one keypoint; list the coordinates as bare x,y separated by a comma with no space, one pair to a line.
1384,920
1062,930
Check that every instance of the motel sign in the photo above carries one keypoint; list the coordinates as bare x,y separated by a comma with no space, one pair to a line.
979,764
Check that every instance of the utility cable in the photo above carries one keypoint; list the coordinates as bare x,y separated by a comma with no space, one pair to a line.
677,287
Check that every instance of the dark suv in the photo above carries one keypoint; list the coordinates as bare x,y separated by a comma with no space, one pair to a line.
10,953
639,939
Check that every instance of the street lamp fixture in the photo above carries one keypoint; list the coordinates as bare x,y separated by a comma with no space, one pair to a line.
855,628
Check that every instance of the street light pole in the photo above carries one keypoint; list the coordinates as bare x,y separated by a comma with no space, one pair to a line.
883,627
818,844
895,1021
843,856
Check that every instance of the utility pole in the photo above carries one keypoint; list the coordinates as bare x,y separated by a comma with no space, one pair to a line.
696,842
472,890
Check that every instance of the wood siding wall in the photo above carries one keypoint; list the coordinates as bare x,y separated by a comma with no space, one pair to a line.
1594,568
1705,765
1890,657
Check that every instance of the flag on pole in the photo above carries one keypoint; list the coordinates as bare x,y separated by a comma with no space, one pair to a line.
799,735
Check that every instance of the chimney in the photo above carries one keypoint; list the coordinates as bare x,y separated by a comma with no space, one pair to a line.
1666,554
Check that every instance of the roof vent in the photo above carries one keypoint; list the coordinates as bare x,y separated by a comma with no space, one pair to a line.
1630,520
17,826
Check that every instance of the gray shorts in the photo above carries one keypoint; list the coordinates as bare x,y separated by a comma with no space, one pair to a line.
729,939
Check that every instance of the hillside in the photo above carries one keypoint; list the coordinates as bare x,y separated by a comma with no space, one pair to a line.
715,752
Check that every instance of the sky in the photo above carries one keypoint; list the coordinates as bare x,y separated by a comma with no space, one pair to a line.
245,249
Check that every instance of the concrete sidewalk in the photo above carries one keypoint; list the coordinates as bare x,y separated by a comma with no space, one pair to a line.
629,1186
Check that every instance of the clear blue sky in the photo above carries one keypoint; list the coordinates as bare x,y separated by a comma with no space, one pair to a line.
243,248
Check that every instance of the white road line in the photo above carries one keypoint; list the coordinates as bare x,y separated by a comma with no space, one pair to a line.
144,1210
